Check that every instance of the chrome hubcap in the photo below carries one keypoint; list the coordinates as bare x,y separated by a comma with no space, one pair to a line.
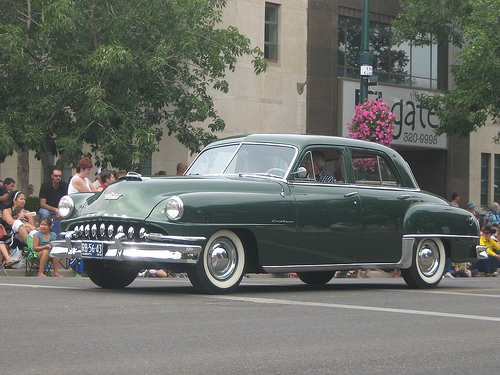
222,258
428,258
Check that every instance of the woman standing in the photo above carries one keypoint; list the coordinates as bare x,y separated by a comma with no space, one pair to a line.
22,227
80,182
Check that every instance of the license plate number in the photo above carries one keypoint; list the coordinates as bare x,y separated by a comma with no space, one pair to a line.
92,249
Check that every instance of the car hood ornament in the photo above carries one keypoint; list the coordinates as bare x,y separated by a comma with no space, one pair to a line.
112,196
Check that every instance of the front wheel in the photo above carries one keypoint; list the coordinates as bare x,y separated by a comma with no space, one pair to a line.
221,265
427,266
316,278
110,274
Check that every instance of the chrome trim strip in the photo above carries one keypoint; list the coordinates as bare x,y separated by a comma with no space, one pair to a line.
132,251
437,235
330,267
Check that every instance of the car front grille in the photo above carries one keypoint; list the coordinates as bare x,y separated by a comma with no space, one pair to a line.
106,231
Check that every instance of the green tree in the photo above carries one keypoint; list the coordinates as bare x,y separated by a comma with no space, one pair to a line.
113,74
474,26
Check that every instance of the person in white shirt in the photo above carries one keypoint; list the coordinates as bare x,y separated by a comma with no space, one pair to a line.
80,182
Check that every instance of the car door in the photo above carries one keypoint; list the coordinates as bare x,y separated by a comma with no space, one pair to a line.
327,212
383,204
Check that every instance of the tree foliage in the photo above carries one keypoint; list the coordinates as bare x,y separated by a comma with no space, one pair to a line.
113,74
474,26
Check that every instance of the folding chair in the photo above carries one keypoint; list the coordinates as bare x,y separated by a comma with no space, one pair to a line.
2,268
32,261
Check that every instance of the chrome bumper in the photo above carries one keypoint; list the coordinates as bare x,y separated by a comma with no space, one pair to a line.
482,252
120,250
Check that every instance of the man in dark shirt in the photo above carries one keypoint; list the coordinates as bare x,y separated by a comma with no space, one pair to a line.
51,193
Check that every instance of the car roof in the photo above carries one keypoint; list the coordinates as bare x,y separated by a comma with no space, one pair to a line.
300,141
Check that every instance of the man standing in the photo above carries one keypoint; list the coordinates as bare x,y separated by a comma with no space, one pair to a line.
51,193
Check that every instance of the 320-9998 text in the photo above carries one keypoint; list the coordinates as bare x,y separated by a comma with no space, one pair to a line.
430,139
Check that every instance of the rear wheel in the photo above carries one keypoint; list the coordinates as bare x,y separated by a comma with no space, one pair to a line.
221,265
316,278
110,274
427,266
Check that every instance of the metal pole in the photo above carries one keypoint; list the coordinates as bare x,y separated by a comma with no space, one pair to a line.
365,45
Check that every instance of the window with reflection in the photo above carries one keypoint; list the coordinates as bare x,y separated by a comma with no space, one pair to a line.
373,170
323,166
271,32
402,65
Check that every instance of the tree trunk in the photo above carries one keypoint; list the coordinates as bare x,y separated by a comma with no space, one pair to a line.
23,169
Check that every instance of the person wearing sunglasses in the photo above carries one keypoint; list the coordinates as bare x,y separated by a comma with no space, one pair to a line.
51,193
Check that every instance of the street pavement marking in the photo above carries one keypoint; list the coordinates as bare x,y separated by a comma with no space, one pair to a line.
460,292
38,286
356,307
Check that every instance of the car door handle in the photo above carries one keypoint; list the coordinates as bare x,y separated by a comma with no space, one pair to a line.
352,194
402,197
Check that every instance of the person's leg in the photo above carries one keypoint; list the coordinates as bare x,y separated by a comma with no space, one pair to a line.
55,264
494,264
5,254
43,213
20,230
43,255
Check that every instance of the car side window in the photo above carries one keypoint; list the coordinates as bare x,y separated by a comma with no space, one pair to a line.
373,170
322,165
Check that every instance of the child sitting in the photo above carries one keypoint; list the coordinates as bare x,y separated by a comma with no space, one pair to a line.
20,218
42,246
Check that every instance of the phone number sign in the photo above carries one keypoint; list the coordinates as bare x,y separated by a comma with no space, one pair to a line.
415,126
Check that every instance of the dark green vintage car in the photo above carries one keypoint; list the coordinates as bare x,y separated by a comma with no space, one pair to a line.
269,204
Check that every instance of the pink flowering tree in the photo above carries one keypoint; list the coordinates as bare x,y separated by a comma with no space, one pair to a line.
372,121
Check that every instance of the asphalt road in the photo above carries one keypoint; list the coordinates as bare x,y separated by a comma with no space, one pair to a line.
268,326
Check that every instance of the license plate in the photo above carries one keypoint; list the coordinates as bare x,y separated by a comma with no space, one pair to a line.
92,249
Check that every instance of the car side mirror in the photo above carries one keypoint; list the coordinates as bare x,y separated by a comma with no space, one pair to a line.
300,173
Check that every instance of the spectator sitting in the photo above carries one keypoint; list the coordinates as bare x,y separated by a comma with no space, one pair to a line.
21,228
491,264
51,193
119,174
107,178
471,207
42,246
491,217
5,256
181,168
462,270
98,181
8,186
31,190
454,199
80,182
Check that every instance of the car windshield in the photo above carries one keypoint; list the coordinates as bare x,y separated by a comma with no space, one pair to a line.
260,159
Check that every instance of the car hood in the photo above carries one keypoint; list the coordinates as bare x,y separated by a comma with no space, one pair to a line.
137,199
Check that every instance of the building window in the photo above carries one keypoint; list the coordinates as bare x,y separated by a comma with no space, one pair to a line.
271,32
496,182
402,65
485,177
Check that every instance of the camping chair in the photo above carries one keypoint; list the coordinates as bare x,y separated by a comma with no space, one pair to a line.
32,261
2,268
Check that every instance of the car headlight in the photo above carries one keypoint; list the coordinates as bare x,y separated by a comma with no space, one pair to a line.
66,206
174,208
